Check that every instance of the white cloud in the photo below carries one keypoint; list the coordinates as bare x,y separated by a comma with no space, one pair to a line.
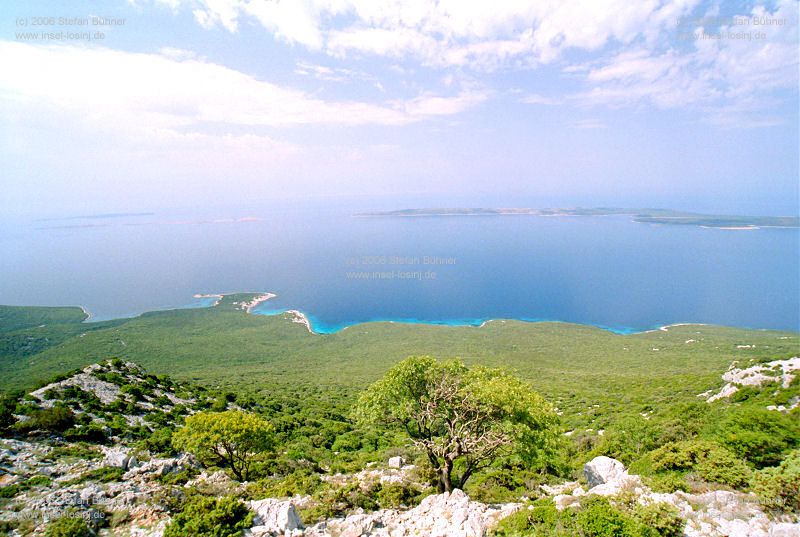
432,105
158,91
590,123
474,33
535,98
336,74
727,75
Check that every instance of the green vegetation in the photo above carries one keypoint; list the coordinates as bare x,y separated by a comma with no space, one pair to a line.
68,527
574,367
230,439
282,408
463,419
779,488
712,462
203,516
13,318
104,474
761,436
56,419
596,517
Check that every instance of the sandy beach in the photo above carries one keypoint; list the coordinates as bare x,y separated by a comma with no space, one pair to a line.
248,306
299,317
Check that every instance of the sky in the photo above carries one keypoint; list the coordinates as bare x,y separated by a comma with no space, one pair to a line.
390,104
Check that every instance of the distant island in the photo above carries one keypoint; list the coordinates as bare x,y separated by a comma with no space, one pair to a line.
644,216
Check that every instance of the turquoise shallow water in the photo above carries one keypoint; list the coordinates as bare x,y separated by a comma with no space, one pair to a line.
339,270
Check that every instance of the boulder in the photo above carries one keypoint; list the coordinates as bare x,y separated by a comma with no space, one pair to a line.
118,457
602,470
563,501
396,462
274,517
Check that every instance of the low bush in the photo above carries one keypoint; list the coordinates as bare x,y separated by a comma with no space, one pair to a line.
302,481
762,437
9,491
596,517
56,419
68,526
397,495
666,482
204,516
779,488
710,461
80,450
93,433
105,474
659,520
7,406
159,441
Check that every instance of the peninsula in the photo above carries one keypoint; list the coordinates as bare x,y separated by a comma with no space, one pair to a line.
644,216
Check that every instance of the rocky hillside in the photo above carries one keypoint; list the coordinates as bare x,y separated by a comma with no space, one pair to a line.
88,448
110,401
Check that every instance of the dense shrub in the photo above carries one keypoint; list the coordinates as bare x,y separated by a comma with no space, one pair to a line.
38,481
396,495
761,436
80,450
666,482
711,462
779,488
159,442
630,438
302,481
204,516
336,501
596,517
68,527
659,520
9,491
498,485
7,406
134,390
88,433
56,419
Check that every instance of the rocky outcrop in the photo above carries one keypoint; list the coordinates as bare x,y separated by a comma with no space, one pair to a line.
711,514
161,467
442,515
781,372
86,381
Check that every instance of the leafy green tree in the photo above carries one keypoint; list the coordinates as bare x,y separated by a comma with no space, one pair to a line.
462,418
232,438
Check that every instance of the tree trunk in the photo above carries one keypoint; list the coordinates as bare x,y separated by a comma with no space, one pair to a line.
445,479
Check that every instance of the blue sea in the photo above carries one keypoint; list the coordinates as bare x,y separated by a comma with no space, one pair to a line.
340,270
